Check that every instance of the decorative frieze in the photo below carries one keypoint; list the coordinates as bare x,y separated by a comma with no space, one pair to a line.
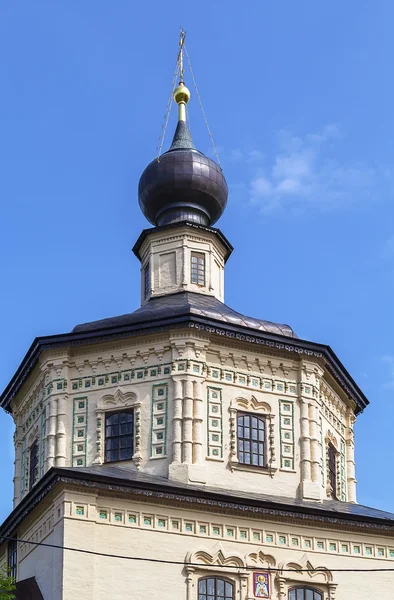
214,423
270,537
80,426
286,428
159,421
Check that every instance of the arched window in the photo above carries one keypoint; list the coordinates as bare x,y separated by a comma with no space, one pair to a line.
305,593
332,469
119,434
215,588
251,440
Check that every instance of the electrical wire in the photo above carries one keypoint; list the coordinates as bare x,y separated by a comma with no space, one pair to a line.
183,564
201,106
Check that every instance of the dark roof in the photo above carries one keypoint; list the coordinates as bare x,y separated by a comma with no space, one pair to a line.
182,139
28,589
345,509
203,313
123,479
187,303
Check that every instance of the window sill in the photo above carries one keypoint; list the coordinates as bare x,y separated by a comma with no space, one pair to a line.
236,466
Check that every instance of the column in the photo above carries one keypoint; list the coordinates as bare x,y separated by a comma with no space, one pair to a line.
305,442
187,439
177,422
60,459
351,471
51,433
315,445
198,423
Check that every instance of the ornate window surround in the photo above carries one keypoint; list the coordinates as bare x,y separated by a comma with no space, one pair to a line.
258,408
235,570
233,566
117,402
33,438
292,574
332,441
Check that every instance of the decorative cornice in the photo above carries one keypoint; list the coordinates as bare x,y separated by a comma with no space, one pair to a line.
231,332
192,497
216,232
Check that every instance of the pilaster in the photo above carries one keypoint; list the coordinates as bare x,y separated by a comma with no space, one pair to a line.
310,450
60,458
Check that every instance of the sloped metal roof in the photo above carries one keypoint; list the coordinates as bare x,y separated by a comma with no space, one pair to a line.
187,303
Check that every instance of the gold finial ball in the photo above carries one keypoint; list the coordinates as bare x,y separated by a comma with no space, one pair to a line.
181,94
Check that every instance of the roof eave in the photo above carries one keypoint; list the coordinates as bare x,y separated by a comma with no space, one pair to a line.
279,342
221,499
146,232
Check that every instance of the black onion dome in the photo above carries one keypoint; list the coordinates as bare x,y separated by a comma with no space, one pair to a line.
182,185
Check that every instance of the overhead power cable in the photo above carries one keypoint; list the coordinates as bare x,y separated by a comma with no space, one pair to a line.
183,564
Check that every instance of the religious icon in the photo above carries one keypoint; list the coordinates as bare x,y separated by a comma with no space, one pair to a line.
261,585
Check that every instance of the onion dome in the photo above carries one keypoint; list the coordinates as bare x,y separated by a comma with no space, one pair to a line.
182,184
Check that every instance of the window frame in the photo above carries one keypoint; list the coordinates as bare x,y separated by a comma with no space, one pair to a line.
33,466
259,417
108,415
332,459
195,271
146,280
305,588
12,557
216,578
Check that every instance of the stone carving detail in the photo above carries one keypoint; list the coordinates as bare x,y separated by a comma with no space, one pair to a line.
118,401
259,407
292,573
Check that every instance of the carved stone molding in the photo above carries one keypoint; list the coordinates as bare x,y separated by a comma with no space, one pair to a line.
304,573
252,405
118,401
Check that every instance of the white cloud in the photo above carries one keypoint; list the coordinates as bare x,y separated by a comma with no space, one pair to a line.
303,172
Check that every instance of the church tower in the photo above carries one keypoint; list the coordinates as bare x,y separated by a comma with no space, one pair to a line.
217,447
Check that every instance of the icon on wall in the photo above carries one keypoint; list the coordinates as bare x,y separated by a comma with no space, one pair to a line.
261,585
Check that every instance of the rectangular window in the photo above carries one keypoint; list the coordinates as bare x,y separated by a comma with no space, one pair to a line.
33,464
147,280
251,440
198,268
332,469
11,558
119,436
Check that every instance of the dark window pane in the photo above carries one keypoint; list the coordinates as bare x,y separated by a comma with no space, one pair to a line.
309,595
203,586
292,595
125,454
229,589
211,586
33,464
300,594
250,431
119,436
220,587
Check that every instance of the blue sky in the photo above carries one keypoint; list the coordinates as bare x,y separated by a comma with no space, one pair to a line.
299,98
